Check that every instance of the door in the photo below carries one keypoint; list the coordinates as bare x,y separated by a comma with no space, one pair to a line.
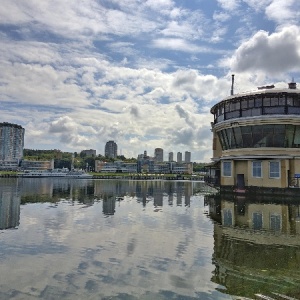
240,181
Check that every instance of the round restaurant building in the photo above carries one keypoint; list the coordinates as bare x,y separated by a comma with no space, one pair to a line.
256,139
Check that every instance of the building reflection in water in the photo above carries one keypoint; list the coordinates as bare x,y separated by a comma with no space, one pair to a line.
9,204
256,245
32,190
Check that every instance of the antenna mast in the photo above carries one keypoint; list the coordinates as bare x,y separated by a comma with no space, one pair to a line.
232,84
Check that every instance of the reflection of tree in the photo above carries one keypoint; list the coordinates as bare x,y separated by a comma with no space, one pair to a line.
249,261
54,190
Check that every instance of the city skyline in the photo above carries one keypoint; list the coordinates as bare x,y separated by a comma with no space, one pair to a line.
145,74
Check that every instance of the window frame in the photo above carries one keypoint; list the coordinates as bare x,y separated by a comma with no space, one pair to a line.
223,169
274,172
255,168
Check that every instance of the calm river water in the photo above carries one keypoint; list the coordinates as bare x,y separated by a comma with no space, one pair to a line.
108,239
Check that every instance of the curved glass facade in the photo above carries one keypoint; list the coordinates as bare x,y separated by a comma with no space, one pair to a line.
285,136
257,105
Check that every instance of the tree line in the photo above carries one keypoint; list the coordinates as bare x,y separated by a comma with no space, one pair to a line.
65,159
81,160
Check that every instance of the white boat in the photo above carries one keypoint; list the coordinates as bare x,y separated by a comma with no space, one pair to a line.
65,173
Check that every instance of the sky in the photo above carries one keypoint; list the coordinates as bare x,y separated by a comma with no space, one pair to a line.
144,73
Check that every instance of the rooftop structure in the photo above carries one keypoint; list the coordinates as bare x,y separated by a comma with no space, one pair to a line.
256,138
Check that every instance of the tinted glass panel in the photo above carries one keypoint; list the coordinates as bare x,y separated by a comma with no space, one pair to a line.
233,114
258,137
238,137
279,136
258,102
267,101
244,103
247,136
274,110
293,110
274,101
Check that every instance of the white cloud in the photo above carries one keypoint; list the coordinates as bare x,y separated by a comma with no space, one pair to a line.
179,45
272,54
230,5
284,11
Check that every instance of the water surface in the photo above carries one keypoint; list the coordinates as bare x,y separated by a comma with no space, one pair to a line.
107,239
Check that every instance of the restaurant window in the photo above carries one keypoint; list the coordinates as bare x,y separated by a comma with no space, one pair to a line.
227,106
256,169
296,102
238,137
244,103
267,101
274,101
247,136
281,100
274,169
258,102
290,101
250,103
227,168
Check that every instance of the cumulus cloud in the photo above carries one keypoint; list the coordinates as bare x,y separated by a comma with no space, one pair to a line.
143,73
67,131
270,53
184,114
229,4
284,11
63,124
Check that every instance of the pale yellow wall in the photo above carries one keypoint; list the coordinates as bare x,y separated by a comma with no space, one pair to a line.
228,180
241,167
245,167
295,165
265,181
217,148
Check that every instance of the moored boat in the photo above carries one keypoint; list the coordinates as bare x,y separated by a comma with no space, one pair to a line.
64,173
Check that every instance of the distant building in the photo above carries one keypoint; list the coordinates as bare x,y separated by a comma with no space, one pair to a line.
111,149
11,145
89,152
179,157
187,157
182,168
171,156
159,155
115,167
37,164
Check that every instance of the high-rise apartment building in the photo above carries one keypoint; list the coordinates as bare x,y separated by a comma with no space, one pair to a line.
187,157
159,154
11,142
111,149
179,157
171,156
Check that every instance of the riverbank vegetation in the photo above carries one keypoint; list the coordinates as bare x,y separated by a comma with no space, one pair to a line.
83,161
